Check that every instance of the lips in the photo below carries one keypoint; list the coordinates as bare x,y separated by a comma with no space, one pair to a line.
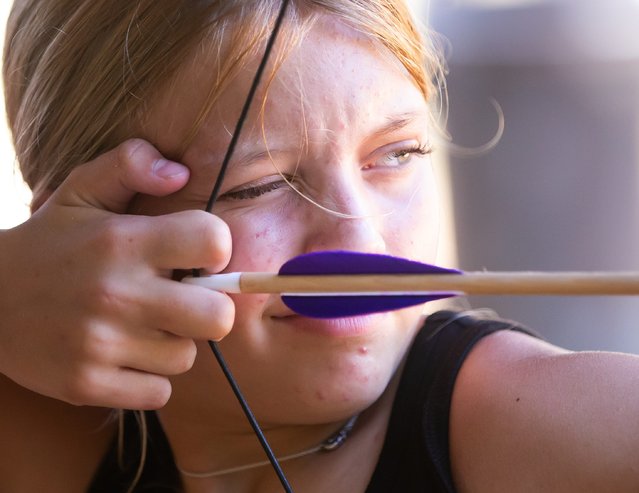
335,327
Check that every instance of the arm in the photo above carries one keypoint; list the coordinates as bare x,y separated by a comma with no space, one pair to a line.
49,445
89,314
528,416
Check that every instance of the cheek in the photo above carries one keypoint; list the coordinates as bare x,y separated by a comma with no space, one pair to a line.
413,232
262,241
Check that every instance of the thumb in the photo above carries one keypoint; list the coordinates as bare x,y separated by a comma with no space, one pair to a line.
112,180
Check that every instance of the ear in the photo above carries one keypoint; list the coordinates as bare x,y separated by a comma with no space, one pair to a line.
39,199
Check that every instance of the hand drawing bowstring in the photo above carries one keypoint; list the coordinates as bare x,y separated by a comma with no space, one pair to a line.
209,207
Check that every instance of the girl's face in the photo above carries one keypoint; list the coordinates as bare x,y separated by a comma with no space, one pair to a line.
347,126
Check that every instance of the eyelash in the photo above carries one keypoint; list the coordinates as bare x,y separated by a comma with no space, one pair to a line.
418,150
254,192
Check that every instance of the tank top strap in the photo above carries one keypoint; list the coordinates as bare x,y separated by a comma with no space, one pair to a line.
416,454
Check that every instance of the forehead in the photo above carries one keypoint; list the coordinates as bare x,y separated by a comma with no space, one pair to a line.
335,79
335,72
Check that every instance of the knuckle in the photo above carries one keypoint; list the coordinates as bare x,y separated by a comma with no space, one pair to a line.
74,174
115,238
83,388
99,345
127,151
106,297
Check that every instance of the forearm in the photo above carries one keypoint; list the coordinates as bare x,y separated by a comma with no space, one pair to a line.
63,443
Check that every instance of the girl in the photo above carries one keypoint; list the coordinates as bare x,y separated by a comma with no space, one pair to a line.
334,155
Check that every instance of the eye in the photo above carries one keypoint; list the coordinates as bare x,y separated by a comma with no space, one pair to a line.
402,156
255,191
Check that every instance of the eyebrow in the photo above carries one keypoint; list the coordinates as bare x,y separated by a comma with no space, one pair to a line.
397,122
392,124
252,157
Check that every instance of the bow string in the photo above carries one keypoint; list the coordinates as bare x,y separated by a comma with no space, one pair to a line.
209,207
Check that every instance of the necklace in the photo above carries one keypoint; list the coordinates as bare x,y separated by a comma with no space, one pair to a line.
335,441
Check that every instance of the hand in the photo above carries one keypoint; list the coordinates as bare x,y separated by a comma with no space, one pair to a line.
89,312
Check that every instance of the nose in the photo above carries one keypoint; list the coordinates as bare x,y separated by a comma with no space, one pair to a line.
350,225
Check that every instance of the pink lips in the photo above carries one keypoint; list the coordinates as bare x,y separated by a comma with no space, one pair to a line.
336,327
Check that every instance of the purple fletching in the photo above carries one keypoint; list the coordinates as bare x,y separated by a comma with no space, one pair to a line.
347,262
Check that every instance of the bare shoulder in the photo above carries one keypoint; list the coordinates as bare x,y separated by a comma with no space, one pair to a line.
529,416
61,442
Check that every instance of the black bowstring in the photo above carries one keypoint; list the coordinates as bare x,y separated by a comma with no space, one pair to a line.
209,207
247,106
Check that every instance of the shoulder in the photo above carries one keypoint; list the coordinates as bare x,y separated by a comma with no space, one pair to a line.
529,416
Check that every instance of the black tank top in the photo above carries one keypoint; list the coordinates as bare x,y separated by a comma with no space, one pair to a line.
415,456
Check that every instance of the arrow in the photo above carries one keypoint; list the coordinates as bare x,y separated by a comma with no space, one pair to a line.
337,283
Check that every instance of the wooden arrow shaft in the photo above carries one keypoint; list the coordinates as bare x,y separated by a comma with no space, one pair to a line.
472,283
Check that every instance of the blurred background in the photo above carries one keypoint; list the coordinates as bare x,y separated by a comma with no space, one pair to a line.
14,194
560,189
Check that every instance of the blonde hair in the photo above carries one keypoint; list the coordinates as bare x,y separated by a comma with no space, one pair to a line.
79,74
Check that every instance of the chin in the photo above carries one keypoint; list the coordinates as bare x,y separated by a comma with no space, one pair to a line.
348,387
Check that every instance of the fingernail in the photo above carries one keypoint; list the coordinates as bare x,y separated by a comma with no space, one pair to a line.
168,169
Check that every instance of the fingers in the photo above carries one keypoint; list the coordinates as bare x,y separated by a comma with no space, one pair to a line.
183,240
157,303
157,352
110,181
127,365
100,267
142,391
119,388
189,311
126,368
